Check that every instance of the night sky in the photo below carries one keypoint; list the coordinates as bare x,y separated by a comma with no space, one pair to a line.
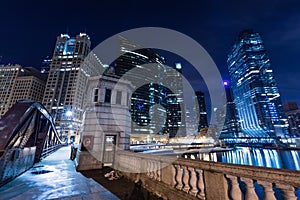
29,28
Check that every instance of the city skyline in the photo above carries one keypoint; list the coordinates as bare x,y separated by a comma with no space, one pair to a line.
213,26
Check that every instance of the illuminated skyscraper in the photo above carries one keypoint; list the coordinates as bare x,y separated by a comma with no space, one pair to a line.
46,65
254,88
231,127
175,123
146,117
202,110
66,83
293,115
19,83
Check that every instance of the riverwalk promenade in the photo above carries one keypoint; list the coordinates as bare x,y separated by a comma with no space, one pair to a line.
54,177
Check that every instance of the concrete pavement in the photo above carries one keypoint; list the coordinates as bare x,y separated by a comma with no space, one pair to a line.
54,177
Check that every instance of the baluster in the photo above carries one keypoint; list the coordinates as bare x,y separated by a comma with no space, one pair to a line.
179,177
288,191
250,192
151,169
139,169
133,165
148,168
186,177
173,167
158,171
201,186
235,192
155,170
268,190
193,181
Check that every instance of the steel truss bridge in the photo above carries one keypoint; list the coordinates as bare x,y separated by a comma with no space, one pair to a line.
27,134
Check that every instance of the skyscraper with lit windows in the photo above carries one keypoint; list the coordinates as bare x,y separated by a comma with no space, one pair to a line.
231,127
254,88
19,83
292,113
155,109
66,83
202,110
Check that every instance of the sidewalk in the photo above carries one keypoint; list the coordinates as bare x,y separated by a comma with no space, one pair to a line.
55,177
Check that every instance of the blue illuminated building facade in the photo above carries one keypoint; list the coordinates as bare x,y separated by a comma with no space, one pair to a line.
255,92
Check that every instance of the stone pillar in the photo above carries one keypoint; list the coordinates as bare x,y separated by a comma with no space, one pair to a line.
216,186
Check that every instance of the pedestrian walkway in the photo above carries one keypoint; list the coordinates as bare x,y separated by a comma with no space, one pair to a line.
55,177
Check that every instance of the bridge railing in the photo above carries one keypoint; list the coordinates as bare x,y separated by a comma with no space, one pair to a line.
46,152
27,134
190,179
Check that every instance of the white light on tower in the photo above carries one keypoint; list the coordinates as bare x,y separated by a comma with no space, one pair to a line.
69,113
178,65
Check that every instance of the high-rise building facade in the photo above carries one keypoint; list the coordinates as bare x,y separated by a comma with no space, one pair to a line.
254,88
146,117
71,65
293,115
196,116
231,127
45,68
202,110
19,83
176,112
8,75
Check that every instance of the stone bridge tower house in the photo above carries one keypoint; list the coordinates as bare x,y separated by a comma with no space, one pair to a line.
107,121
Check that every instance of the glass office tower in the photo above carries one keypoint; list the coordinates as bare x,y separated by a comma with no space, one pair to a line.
231,126
165,118
254,88
202,110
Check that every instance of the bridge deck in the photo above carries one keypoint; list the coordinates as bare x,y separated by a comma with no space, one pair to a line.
55,177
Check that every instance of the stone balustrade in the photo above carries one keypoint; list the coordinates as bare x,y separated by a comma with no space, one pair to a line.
178,178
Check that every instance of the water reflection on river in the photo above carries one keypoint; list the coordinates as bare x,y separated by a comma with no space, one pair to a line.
274,158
